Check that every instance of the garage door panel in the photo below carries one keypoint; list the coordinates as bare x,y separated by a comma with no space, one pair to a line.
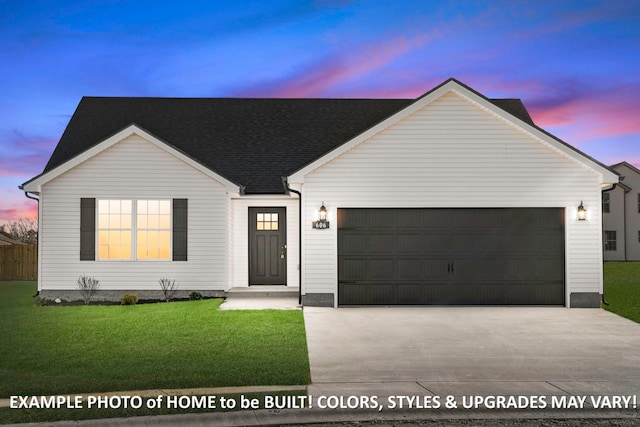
382,269
411,269
411,243
353,269
353,243
383,242
451,256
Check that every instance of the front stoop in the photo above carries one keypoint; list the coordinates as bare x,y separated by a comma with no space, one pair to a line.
263,291
261,298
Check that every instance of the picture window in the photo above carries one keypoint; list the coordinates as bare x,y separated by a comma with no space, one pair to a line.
129,229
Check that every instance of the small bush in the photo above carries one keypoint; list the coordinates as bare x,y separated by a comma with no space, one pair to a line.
169,288
88,287
195,296
129,299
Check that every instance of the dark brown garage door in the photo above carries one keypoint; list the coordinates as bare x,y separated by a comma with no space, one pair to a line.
451,256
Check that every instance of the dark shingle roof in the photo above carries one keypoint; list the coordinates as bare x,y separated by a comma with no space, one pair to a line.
251,142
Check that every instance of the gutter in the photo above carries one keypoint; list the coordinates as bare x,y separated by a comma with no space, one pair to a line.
26,193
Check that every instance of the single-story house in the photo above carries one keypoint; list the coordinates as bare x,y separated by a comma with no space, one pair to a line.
450,198
621,216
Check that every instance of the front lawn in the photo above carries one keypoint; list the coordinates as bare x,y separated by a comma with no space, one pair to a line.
81,349
622,289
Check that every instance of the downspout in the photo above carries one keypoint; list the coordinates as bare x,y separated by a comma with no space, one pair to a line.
26,193
299,239
604,301
624,223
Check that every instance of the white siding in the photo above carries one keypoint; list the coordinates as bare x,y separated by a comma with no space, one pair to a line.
134,169
632,213
241,236
452,153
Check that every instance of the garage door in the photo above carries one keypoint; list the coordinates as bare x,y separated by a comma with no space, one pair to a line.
451,256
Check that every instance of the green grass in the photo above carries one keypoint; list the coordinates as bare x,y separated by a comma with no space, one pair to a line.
622,289
48,350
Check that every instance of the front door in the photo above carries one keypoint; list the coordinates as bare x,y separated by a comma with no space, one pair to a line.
267,246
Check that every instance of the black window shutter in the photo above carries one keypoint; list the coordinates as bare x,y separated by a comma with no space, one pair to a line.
179,229
87,229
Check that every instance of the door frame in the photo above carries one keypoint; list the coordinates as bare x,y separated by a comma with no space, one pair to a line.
282,230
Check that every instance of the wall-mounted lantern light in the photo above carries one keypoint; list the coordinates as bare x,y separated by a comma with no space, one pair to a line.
322,222
582,212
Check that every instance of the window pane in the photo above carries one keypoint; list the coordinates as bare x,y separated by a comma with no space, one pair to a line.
114,206
274,217
165,238
152,252
164,252
260,226
103,237
126,252
153,221
141,253
103,206
114,221
142,207
165,221
114,229
260,217
142,238
165,207
142,221
103,252
153,238
154,207
114,252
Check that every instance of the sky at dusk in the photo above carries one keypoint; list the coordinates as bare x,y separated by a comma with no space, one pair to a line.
574,64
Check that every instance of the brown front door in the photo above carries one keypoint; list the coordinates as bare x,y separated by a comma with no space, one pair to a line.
267,246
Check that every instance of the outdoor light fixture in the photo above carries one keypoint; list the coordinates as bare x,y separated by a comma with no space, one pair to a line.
322,222
582,212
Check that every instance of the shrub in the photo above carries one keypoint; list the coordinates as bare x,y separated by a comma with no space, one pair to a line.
88,287
129,299
195,296
169,288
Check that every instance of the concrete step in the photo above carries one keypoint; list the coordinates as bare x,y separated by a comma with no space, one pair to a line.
264,291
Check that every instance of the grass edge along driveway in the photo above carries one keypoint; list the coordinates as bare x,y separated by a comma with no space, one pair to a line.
82,349
622,289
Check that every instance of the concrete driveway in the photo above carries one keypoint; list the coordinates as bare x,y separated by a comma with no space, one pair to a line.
472,350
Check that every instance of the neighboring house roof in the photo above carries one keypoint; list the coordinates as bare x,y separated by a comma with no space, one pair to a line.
6,241
250,142
627,164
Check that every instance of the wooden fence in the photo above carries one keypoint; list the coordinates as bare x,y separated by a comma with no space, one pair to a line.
19,262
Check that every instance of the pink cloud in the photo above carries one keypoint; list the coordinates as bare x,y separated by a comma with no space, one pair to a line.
17,206
592,115
318,79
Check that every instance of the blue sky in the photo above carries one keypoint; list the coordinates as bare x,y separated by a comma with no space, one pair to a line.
575,64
